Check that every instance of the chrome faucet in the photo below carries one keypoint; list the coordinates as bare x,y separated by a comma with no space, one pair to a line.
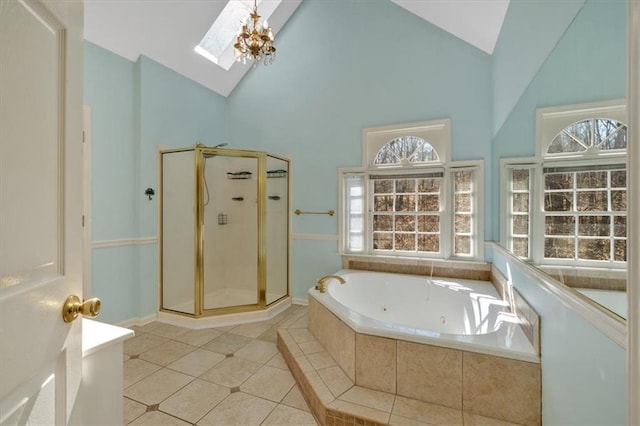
320,284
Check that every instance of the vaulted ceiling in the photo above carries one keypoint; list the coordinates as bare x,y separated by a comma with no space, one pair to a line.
168,30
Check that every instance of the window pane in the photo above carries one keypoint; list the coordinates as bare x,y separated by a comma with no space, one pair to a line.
428,203
618,178
620,250
355,205
604,129
382,241
581,130
382,222
592,179
429,185
463,203
428,223
405,203
596,249
559,248
405,185
405,223
383,186
520,180
462,223
521,247
521,225
564,143
559,225
462,244
462,181
355,222
383,203
521,203
592,201
617,140
558,201
355,242
405,242
619,201
556,181
596,226
610,134
429,243
619,226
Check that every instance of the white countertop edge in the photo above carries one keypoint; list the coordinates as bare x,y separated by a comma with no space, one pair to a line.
98,335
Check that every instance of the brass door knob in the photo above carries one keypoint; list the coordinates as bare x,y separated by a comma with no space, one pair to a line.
72,307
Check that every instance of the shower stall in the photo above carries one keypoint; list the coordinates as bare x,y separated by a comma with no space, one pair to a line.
224,231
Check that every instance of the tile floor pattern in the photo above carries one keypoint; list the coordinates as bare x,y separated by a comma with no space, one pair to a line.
217,376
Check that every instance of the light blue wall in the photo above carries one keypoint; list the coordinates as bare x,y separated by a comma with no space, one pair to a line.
313,103
529,32
136,107
109,90
588,64
584,375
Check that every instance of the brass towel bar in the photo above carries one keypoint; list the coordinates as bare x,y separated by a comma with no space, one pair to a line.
299,212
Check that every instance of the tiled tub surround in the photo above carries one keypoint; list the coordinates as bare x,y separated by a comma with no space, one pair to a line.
468,270
424,373
486,389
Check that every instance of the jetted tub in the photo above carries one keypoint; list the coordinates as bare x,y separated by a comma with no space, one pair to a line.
455,313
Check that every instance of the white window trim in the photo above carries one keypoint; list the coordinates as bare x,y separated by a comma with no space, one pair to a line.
436,132
551,121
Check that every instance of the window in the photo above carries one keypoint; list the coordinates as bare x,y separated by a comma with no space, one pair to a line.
409,199
574,195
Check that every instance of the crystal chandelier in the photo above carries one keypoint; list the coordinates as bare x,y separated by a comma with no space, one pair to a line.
255,41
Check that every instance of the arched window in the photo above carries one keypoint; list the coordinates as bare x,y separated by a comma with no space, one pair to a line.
404,150
590,136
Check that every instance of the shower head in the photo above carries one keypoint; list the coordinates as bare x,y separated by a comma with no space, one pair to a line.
220,145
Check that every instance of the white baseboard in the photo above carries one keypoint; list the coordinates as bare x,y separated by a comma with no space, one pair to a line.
138,321
300,301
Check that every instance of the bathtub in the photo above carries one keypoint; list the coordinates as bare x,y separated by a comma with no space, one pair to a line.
455,313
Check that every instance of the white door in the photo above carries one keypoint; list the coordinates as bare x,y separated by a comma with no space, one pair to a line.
40,208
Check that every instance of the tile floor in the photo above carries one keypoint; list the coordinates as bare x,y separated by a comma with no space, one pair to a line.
218,376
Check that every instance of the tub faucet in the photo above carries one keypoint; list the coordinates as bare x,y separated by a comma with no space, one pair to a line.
320,284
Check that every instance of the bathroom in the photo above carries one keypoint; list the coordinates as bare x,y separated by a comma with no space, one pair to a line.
378,65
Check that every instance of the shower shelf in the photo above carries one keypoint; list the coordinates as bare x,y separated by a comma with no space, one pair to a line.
239,175
276,173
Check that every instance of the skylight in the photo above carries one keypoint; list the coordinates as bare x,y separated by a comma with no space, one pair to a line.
217,44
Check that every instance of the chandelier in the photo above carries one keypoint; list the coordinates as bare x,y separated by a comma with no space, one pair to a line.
255,41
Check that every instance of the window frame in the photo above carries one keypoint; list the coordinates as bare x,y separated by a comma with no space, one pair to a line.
437,134
549,123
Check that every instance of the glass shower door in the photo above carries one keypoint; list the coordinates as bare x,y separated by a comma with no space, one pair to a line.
230,231
178,245
277,228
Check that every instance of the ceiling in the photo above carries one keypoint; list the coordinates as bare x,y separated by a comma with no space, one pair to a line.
168,30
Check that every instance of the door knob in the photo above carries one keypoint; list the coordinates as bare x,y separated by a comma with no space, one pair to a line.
72,307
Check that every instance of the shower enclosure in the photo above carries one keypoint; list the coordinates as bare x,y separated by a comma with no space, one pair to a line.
224,231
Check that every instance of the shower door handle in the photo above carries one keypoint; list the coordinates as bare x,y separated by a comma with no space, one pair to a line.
72,308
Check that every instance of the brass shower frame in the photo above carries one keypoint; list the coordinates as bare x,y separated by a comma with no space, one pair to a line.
200,151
